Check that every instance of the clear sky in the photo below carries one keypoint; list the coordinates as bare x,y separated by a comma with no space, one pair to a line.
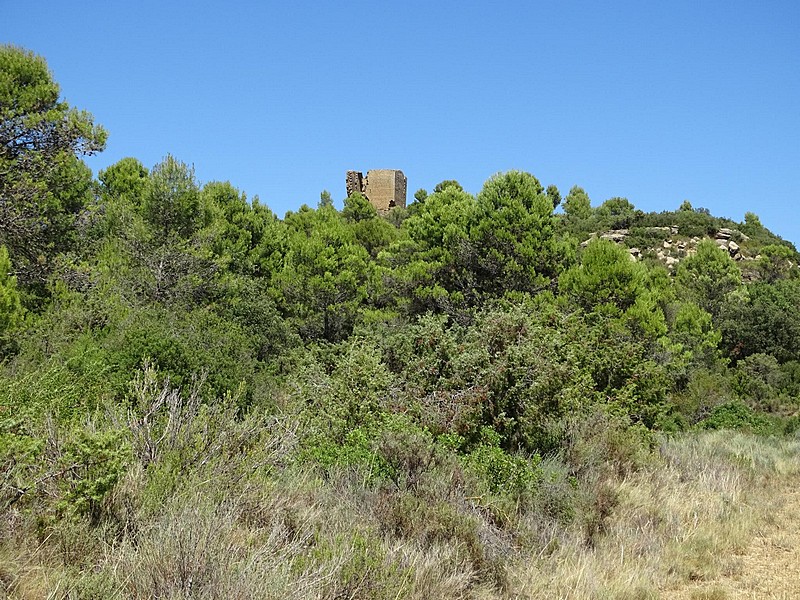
654,101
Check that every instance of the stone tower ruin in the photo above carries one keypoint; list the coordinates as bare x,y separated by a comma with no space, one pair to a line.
384,188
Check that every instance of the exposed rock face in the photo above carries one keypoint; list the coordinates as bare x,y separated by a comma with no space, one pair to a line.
616,235
673,249
731,247
384,188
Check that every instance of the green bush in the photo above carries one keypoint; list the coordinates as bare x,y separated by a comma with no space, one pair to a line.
736,415
499,472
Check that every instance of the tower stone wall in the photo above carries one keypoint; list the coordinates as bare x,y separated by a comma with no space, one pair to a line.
384,188
355,183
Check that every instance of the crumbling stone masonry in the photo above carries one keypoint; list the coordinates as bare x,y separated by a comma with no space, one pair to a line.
384,188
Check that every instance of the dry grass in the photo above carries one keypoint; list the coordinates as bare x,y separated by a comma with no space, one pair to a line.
678,525
287,540
685,518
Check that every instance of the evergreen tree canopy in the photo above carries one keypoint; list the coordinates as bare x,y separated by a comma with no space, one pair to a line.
43,186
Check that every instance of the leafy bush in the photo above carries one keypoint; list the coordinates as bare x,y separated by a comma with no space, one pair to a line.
735,415
499,472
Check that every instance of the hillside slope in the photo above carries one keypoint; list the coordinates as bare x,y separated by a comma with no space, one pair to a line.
454,400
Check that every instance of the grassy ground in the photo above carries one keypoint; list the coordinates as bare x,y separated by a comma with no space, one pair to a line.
769,567
707,512
679,525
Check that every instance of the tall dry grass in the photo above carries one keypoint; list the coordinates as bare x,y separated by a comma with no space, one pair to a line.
683,517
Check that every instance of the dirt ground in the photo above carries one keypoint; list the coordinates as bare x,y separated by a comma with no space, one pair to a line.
769,568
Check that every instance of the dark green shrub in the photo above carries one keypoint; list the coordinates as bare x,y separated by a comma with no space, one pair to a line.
499,472
736,415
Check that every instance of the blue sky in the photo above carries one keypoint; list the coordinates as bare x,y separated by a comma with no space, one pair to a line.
654,101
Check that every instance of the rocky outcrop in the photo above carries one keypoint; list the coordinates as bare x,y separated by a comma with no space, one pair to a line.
724,234
724,240
673,248
618,235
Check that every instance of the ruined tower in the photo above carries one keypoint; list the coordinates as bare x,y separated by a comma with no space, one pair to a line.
384,188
